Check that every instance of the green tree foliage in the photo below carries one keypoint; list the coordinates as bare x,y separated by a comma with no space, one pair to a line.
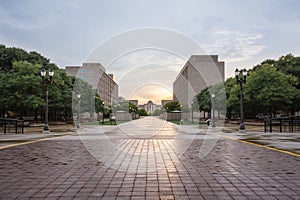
132,107
23,94
142,112
172,106
9,55
21,91
268,90
157,112
203,99
98,104
89,100
271,87
125,106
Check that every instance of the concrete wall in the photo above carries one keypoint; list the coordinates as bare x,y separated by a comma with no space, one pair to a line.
123,116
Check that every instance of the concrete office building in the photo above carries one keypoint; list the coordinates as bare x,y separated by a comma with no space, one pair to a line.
199,72
95,74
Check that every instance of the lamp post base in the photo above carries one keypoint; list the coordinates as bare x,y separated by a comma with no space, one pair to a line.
242,126
46,129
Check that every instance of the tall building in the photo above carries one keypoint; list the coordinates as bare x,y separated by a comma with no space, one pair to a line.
199,72
95,74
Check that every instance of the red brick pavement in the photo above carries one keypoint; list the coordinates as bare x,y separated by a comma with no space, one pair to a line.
64,169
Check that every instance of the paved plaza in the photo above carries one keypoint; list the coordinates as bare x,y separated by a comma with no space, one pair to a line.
147,159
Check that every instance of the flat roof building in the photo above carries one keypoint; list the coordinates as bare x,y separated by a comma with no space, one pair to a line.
199,72
95,74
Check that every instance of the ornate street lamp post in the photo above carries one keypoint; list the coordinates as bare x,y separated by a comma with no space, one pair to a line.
103,112
213,109
192,104
46,82
241,80
78,111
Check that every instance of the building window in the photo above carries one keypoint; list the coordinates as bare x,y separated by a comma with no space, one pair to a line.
82,71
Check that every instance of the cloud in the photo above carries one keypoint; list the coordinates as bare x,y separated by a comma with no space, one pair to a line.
235,46
34,14
146,61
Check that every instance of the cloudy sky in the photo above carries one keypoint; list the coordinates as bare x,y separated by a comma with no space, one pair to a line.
242,33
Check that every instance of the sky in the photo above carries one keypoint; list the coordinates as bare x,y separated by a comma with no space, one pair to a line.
242,33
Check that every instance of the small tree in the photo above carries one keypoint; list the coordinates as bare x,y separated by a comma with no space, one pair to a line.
142,112
172,106
157,112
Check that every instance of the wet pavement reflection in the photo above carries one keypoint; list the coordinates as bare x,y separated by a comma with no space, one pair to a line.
146,159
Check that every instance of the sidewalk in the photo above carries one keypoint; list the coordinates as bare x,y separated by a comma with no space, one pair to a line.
10,139
284,141
146,159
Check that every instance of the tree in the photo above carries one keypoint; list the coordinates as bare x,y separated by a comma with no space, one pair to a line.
89,101
98,104
157,112
270,90
142,112
9,55
21,88
203,100
132,107
172,106
229,84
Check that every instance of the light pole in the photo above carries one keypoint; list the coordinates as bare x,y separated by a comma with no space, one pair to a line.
78,111
103,112
241,80
192,104
46,82
213,109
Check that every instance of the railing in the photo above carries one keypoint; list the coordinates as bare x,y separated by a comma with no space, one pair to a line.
282,124
8,125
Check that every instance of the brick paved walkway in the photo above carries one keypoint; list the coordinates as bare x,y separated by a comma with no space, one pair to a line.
63,168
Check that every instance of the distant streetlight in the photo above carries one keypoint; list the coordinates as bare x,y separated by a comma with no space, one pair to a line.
78,111
192,104
241,80
213,109
134,113
46,82
103,112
